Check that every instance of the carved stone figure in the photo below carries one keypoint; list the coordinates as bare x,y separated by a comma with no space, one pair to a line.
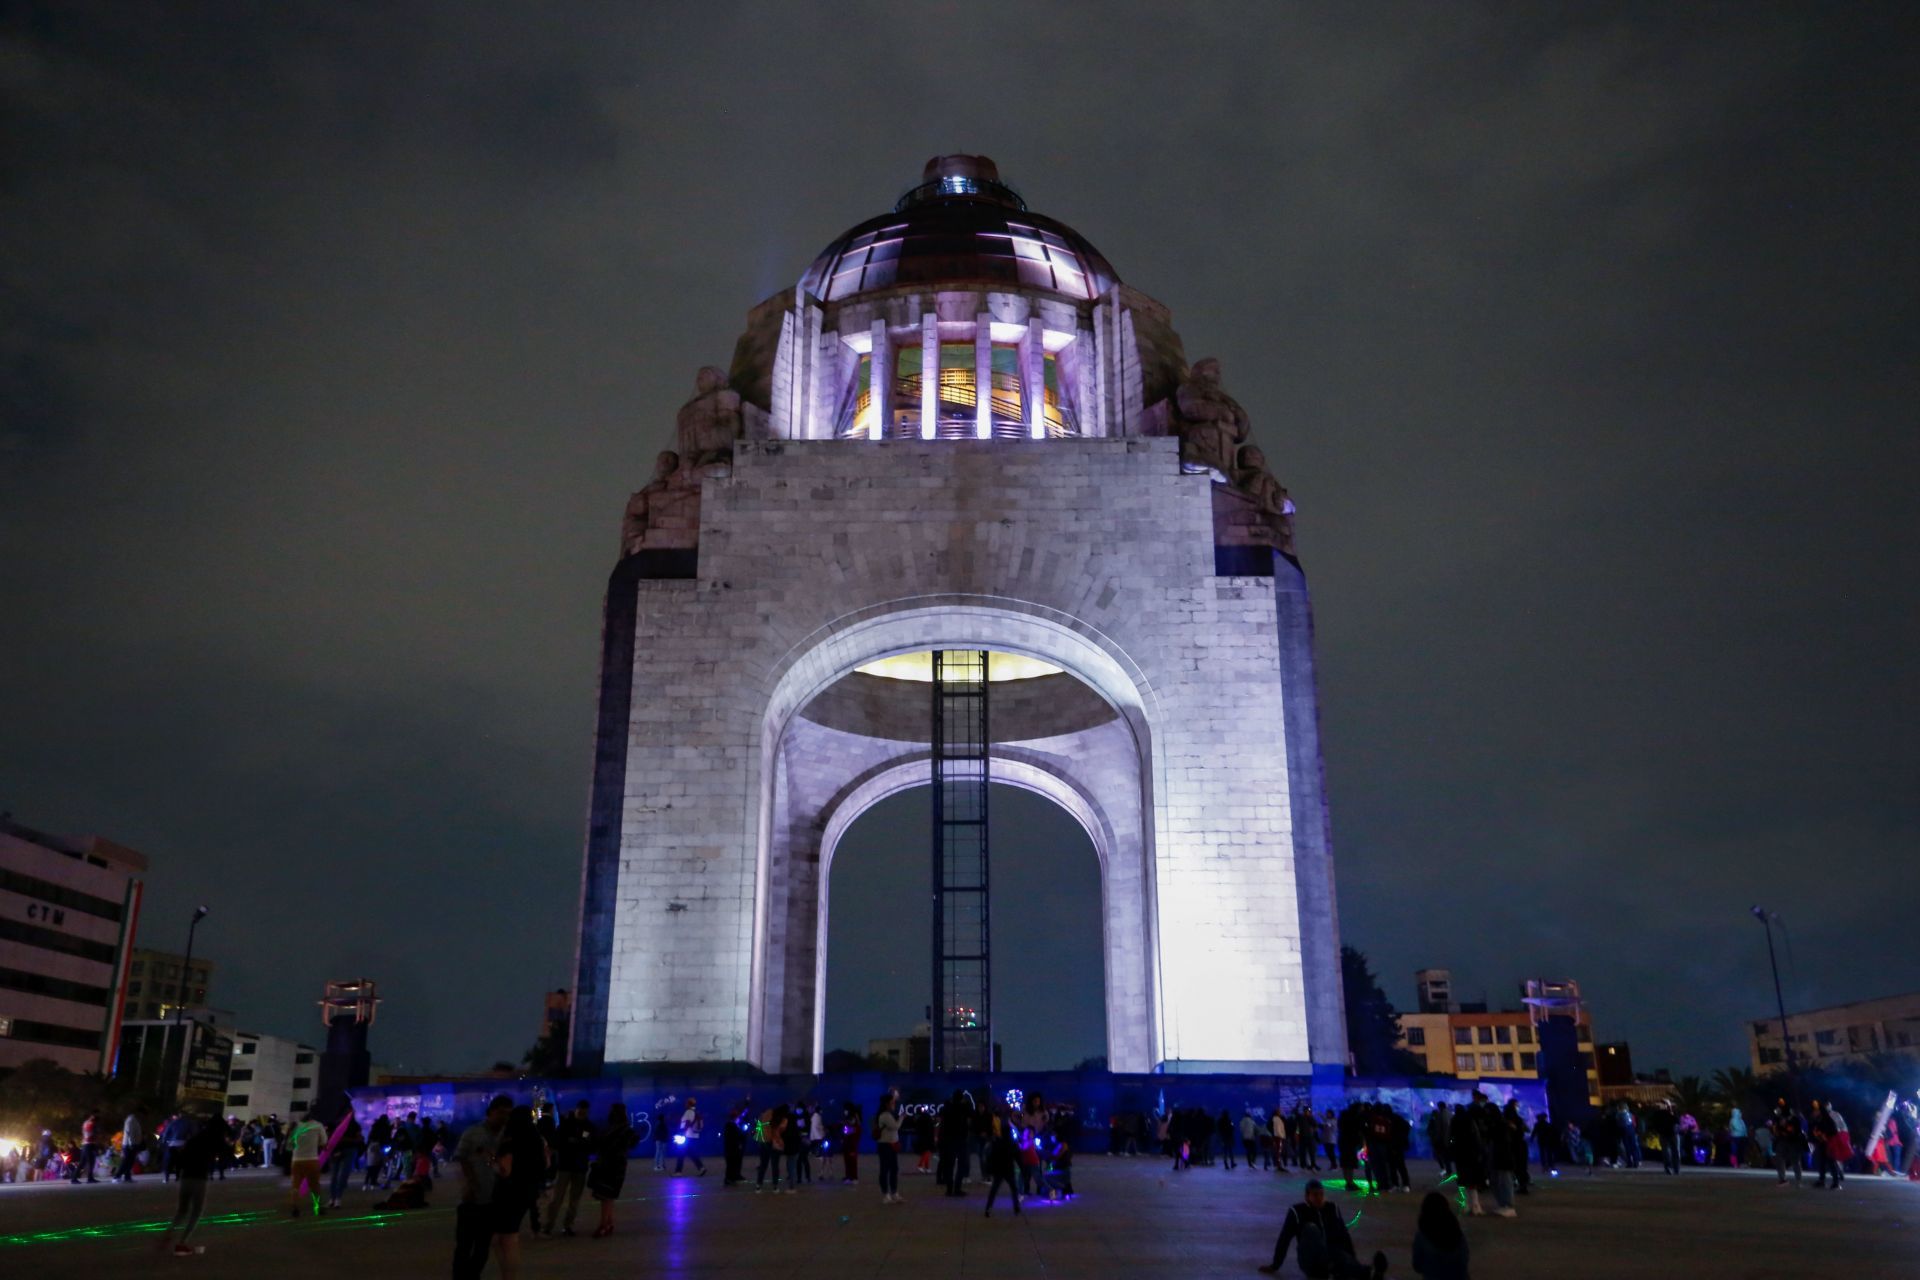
647,505
1252,478
710,422
1210,423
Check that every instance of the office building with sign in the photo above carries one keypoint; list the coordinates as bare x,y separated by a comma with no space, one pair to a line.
68,906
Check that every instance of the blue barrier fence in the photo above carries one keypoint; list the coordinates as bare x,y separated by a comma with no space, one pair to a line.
1094,1097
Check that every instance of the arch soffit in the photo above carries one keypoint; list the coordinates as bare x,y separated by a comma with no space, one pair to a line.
941,621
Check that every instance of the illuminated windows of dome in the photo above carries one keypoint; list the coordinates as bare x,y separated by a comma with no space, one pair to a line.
957,409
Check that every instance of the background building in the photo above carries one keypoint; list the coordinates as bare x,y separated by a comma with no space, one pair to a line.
1839,1033
68,906
903,1053
271,1076
185,1057
557,1016
346,1009
156,983
1468,1040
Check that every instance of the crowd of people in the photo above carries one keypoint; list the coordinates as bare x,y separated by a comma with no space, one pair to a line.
523,1170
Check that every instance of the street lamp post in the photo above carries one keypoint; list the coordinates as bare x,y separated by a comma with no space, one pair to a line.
186,970
180,996
1766,919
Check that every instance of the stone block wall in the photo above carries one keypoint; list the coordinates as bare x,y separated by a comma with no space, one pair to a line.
815,556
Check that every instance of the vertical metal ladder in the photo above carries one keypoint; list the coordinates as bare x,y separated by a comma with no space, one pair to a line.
962,1031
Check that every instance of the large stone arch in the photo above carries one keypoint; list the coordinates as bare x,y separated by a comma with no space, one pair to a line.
1116,846
1115,773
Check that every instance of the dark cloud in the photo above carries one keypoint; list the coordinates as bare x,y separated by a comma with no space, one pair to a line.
334,337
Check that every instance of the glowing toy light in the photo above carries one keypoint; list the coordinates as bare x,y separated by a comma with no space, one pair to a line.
1015,1098
679,1139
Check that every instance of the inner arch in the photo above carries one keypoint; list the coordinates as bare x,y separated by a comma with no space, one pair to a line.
1047,915
815,662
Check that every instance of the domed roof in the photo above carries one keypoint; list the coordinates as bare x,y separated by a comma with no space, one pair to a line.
960,225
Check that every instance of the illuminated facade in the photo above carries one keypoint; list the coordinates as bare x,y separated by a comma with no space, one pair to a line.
1474,1043
959,431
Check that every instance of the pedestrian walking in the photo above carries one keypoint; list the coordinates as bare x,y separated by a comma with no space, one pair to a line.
1790,1140
345,1153
1500,1156
771,1130
886,1143
733,1146
1665,1125
130,1138
572,1156
304,1145
609,1172
1439,1137
686,1142
1832,1147
1001,1162
1545,1140
1399,1139
520,1172
662,1134
1470,1156
473,1220
198,1155
850,1130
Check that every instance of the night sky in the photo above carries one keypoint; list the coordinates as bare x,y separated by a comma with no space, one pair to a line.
335,337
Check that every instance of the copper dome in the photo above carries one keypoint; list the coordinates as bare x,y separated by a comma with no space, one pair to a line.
960,226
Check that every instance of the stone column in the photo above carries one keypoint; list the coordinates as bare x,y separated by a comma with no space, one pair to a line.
983,376
880,380
929,375
1033,379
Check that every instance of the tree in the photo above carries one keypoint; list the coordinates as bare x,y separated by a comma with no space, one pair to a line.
41,1094
1373,1024
843,1061
1738,1087
1694,1097
548,1056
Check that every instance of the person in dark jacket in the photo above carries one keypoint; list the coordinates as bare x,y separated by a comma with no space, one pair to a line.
1325,1249
1351,1133
1826,1140
194,1162
1666,1126
1467,1134
1499,1131
609,1172
572,1156
1399,1139
733,1145
1546,1138
1225,1131
1517,1136
1439,1246
1002,1161
1440,1135
520,1173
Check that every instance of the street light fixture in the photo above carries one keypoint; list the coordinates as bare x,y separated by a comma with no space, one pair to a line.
186,969
1767,920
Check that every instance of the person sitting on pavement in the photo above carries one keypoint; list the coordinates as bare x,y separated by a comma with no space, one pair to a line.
1325,1248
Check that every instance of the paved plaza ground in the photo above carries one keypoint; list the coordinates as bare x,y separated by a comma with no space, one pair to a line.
1132,1218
